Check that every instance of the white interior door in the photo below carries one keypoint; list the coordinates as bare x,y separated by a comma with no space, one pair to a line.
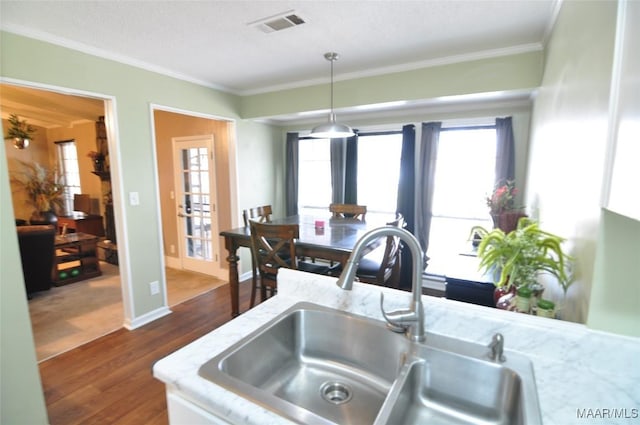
195,184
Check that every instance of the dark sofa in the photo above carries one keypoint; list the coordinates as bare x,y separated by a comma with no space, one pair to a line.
37,250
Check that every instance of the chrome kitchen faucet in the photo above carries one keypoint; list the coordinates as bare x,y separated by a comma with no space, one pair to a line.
409,321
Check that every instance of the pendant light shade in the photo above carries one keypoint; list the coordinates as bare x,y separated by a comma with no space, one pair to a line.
331,129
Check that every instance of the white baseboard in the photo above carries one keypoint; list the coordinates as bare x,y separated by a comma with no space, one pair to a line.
146,318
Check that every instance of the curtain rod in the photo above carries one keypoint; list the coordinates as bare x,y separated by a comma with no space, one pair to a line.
470,127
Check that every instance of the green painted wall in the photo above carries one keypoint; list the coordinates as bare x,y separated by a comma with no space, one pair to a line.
567,162
21,395
513,72
31,61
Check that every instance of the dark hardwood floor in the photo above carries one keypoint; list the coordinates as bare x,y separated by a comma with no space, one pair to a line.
110,381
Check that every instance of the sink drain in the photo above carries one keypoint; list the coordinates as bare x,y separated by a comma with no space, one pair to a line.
335,392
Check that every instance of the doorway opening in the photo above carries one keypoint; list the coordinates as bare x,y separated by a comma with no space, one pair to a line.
194,173
84,307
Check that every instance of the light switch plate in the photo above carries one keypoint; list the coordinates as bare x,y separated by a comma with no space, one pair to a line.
154,287
134,198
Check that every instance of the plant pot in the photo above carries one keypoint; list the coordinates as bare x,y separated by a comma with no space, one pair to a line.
523,300
504,297
507,221
501,291
536,295
546,308
20,142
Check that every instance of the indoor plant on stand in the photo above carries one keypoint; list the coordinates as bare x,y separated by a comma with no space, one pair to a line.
504,212
518,257
45,191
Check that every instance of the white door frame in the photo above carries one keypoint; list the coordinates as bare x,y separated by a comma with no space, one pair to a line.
232,162
211,267
113,140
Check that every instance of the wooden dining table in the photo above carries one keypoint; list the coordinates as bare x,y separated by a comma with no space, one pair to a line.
333,242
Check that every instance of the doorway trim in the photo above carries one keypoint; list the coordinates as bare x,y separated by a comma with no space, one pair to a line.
111,125
233,173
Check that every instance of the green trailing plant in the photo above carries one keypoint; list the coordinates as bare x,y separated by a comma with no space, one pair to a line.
19,129
44,186
522,254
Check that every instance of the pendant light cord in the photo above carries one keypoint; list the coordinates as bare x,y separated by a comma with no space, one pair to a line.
331,60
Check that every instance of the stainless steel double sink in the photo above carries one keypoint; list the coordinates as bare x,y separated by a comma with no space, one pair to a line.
316,365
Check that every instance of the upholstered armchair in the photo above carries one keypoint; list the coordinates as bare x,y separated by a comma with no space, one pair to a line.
37,248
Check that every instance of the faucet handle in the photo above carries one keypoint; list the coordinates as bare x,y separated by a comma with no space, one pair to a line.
497,348
395,318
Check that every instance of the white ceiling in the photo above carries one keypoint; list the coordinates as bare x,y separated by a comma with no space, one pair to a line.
211,42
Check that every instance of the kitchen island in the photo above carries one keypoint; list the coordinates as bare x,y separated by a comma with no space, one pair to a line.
582,376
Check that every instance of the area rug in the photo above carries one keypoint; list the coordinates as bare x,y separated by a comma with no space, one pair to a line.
71,315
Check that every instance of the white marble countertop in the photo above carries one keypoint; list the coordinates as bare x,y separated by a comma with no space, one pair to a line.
582,376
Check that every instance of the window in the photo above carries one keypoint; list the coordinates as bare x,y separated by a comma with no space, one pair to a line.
68,166
377,178
314,175
379,171
465,174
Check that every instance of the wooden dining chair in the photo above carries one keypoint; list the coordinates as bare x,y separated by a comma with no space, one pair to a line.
261,214
273,247
382,265
348,211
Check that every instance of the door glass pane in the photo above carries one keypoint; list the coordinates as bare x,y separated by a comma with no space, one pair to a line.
196,205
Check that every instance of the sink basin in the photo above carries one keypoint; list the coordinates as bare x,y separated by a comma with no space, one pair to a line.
447,388
316,365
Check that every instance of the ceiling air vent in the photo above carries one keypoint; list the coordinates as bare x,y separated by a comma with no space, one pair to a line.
278,22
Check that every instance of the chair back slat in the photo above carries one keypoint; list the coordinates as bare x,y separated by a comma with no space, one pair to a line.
261,214
389,272
348,211
273,247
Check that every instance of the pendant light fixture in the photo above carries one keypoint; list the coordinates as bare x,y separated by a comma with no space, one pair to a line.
331,129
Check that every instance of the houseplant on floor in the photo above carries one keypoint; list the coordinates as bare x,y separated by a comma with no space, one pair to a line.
517,258
45,191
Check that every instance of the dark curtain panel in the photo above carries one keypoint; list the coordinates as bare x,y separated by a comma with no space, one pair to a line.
338,153
505,151
406,196
428,156
291,174
351,171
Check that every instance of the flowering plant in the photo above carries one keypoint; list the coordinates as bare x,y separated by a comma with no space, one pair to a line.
95,156
503,198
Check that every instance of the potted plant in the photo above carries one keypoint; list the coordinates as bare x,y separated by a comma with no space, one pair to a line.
44,188
517,258
20,132
502,208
